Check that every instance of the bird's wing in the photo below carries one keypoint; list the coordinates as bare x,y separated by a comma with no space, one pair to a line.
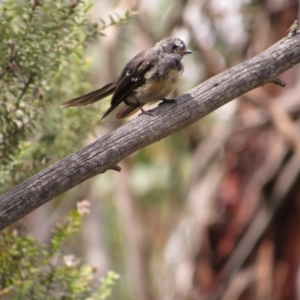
132,77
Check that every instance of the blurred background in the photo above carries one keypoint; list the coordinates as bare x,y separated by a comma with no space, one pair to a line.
211,212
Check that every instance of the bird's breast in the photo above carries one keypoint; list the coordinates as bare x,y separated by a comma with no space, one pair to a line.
157,86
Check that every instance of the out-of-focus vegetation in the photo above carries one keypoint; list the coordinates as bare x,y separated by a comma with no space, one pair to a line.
31,270
41,62
41,58
211,212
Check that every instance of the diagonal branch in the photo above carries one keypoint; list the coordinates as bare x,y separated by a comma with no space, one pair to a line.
105,153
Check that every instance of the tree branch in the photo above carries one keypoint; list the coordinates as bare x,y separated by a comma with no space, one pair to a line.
105,153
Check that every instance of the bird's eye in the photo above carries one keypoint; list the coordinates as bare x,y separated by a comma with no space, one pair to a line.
174,46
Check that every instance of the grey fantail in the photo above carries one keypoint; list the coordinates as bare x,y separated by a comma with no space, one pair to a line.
149,76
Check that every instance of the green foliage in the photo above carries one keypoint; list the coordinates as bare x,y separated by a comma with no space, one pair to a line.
34,45
116,20
40,43
31,270
42,64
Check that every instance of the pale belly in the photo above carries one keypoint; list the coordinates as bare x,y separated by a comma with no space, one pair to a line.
155,90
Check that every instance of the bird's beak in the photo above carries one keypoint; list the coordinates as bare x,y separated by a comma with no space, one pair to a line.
187,52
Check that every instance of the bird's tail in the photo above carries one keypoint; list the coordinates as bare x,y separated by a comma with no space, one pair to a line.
91,97
127,111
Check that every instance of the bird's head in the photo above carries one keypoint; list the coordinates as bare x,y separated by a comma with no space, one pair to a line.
173,45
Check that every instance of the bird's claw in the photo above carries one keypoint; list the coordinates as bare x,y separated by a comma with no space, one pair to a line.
146,112
167,101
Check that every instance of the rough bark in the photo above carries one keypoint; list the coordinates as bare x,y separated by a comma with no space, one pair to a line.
109,150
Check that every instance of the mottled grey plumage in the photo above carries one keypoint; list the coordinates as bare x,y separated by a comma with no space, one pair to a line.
149,76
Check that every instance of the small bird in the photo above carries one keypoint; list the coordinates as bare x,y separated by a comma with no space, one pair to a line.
150,76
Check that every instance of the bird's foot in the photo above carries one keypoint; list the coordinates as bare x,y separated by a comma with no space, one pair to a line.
146,112
167,101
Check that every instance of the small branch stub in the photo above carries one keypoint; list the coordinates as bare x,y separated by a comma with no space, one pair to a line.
278,81
293,29
116,168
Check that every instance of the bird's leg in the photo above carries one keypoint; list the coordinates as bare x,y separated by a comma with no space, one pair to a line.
167,101
144,112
